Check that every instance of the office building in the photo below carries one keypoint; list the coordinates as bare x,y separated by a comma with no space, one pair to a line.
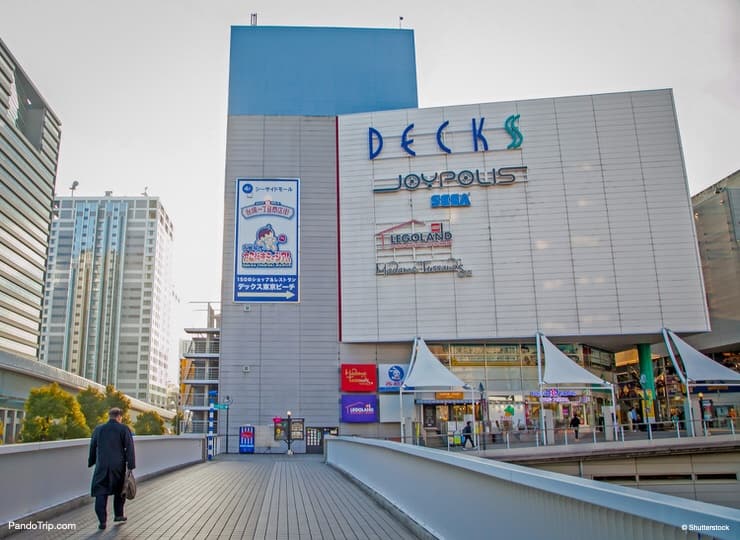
29,150
109,293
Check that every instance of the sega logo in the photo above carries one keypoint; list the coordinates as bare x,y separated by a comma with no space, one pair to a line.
447,201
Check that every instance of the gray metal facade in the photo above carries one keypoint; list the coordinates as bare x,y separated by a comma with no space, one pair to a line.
717,218
594,239
274,357
632,263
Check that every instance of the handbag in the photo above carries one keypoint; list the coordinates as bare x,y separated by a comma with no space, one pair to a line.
129,485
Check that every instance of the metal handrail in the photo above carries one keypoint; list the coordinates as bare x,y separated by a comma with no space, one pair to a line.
563,436
201,373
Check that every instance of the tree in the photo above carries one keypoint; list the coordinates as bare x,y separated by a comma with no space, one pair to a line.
116,398
52,414
92,403
177,421
149,423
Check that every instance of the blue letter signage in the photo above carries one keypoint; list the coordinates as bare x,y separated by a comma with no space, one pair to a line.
406,142
478,135
375,138
373,133
447,201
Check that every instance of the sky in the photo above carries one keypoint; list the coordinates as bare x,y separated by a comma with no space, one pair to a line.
141,86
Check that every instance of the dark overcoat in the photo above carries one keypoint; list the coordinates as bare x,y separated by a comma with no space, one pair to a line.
111,450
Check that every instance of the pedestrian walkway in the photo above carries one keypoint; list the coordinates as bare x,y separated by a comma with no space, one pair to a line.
235,496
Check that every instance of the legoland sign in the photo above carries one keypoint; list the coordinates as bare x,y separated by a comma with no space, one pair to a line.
359,409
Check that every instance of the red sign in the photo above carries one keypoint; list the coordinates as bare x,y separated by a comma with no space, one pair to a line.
359,378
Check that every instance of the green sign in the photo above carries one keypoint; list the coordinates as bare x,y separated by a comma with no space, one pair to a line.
220,406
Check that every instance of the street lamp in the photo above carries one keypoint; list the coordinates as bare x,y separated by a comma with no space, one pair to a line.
228,401
483,410
290,433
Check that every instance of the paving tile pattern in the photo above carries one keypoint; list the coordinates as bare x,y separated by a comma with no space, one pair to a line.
241,497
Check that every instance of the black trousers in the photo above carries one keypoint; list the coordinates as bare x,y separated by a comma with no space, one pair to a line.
101,506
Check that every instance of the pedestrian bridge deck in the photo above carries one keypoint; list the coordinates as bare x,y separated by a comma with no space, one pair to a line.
237,496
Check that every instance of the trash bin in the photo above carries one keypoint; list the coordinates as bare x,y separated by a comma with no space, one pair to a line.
246,439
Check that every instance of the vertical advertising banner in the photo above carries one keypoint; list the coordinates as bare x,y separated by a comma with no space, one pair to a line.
266,240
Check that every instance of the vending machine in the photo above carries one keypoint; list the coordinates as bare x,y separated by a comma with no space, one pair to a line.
246,439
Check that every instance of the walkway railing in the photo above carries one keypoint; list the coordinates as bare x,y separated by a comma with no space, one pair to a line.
39,477
462,496
566,436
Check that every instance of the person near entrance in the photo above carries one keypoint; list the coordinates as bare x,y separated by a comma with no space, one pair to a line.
632,414
111,451
468,435
575,423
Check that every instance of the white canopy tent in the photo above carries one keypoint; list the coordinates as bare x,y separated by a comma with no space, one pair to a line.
559,369
698,368
426,372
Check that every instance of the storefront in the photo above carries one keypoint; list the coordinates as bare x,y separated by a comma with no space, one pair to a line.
719,401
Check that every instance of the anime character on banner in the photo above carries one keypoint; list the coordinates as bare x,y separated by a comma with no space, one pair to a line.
265,252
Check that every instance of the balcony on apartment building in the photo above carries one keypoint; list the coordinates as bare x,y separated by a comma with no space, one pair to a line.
204,349
200,375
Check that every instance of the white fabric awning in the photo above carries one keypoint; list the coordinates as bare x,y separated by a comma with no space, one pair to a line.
559,369
426,371
700,367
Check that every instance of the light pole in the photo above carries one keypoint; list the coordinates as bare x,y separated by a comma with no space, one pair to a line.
290,433
483,407
228,401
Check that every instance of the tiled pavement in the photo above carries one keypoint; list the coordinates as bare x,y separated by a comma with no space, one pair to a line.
254,496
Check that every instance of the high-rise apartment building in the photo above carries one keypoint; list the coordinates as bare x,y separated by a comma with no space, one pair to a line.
109,292
29,148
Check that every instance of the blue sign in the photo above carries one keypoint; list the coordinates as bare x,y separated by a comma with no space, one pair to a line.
391,376
266,244
480,143
451,200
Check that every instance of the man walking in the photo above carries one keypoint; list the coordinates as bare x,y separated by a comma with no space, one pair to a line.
467,435
111,451
575,423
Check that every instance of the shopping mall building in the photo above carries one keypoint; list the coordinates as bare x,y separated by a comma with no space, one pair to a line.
356,221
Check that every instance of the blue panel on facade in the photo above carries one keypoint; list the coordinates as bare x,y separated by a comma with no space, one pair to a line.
320,71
